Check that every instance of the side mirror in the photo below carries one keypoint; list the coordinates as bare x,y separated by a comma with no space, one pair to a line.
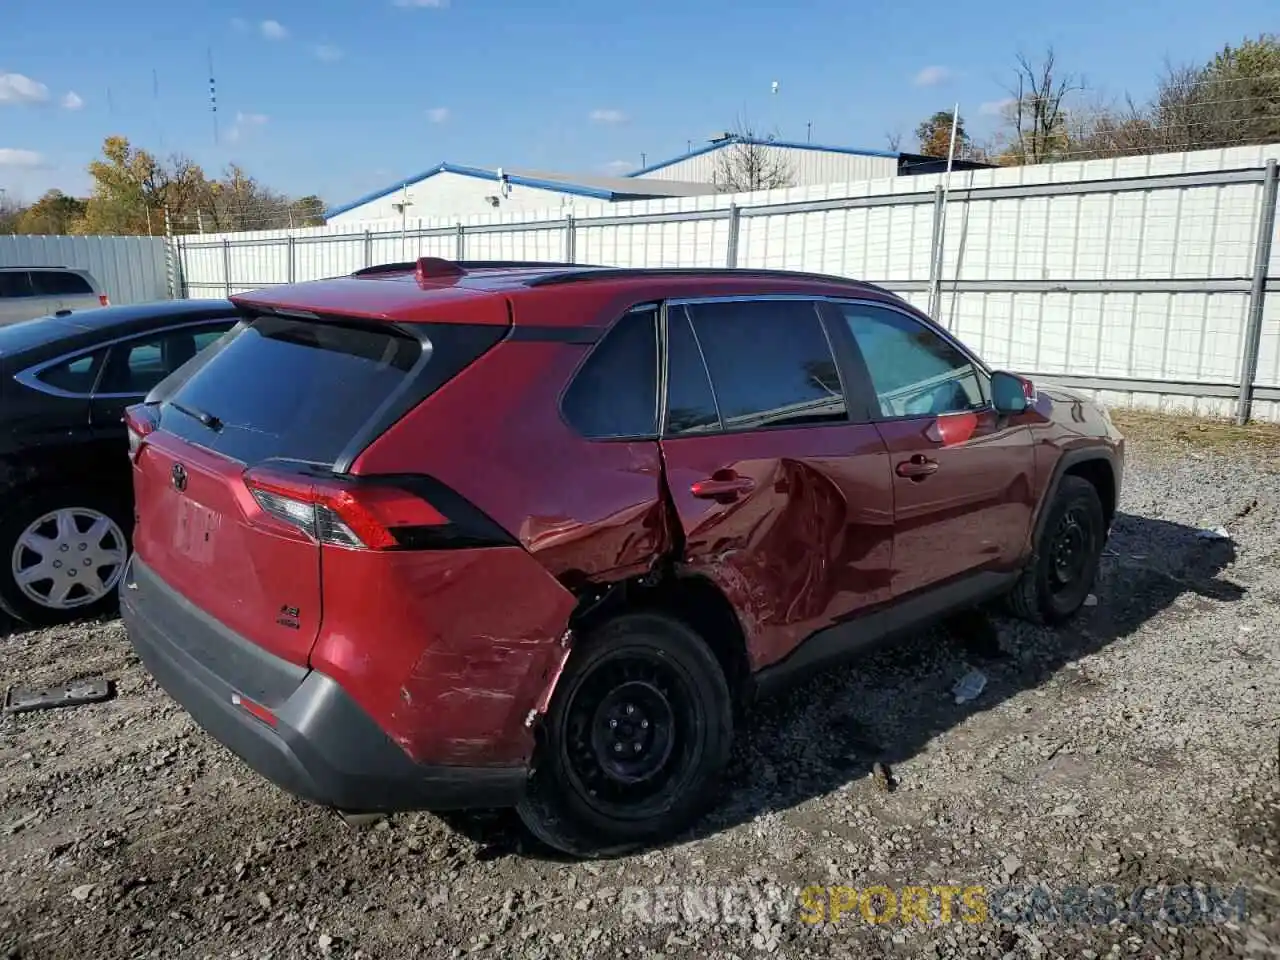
1010,394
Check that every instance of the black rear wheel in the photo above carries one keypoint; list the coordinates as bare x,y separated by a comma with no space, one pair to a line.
637,735
1057,584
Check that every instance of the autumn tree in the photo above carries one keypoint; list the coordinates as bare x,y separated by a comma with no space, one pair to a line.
934,136
749,162
54,213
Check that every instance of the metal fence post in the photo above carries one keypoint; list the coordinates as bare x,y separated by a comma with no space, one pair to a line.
368,249
735,222
226,264
935,254
178,273
1257,294
570,241
293,270
460,243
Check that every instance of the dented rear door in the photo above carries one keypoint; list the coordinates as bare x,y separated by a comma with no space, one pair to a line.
783,498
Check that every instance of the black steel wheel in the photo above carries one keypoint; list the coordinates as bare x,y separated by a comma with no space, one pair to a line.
638,732
1055,586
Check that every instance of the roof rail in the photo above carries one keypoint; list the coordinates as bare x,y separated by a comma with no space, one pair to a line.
580,274
457,265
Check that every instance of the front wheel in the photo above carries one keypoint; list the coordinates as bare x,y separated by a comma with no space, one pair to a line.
62,553
1058,582
638,733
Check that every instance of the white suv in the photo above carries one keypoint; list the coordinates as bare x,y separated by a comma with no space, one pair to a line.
28,292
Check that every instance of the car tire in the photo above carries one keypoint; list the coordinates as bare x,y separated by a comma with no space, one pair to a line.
637,735
1058,581
100,526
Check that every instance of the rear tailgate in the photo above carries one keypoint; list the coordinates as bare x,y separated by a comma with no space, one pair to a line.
251,439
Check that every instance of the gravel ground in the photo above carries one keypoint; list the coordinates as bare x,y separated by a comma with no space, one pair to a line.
1135,749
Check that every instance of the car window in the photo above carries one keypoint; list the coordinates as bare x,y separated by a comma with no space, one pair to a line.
75,375
56,283
770,363
914,371
135,366
691,403
15,283
615,393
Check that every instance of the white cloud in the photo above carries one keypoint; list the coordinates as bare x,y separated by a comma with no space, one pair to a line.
438,114
244,123
619,166
995,108
432,4
327,52
72,101
273,30
29,159
15,88
932,76
608,116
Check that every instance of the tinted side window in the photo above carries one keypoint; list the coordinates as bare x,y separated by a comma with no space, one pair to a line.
76,375
138,365
691,404
15,283
914,372
615,393
770,363
54,283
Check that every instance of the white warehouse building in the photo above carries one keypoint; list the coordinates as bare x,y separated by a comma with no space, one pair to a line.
456,190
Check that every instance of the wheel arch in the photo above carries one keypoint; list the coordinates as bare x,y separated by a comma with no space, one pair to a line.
1096,465
688,597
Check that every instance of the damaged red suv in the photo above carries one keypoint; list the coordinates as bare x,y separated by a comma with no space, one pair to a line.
443,535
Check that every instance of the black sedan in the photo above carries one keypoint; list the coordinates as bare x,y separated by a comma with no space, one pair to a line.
66,500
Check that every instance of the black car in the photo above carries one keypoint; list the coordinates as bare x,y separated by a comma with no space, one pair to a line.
66,502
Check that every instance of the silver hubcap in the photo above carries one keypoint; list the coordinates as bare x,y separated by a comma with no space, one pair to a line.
69,558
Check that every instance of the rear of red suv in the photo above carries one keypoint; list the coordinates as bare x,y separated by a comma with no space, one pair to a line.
298,607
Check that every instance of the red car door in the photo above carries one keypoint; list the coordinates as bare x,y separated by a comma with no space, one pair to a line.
962,475
783,497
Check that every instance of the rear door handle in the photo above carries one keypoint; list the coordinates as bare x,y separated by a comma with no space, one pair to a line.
722,489
917,468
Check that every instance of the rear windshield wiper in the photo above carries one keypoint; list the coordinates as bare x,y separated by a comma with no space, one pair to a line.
208,419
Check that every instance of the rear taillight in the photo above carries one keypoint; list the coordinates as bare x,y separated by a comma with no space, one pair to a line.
1028,389
140,422
103,300
364,516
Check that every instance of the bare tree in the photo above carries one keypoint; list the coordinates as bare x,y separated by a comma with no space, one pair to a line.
750,163
895,141
1038,113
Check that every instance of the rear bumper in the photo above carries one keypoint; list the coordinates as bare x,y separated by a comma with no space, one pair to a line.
322,746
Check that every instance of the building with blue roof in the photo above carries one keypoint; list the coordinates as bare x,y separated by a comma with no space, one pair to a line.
456,191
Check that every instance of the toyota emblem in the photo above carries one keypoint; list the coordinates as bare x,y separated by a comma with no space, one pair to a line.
179,475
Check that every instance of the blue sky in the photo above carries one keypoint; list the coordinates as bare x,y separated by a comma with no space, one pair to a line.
344,97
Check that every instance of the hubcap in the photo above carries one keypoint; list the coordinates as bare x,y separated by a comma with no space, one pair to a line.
1070,549
69,558
630,727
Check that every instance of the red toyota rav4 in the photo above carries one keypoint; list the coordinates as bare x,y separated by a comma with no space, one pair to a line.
444,535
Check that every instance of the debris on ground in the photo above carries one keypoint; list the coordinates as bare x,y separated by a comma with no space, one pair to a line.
75,694
1217,533
970,686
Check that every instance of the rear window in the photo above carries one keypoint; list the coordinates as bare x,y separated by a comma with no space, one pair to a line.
303,390
15,283
54,283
